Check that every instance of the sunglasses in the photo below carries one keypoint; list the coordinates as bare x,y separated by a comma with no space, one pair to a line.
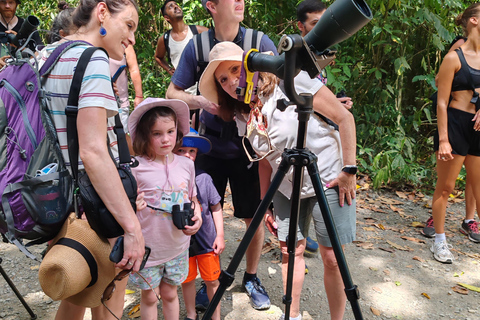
110,289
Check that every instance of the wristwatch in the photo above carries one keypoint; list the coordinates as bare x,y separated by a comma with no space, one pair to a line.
350,169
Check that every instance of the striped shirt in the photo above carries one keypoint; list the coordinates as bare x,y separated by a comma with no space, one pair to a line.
96,91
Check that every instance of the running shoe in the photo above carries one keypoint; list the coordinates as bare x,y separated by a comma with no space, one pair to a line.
201,298
257,293
471,230
429,231
311,246
441,252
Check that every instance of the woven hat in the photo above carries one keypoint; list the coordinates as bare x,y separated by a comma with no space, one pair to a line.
223,51
76,267
194,140
178,106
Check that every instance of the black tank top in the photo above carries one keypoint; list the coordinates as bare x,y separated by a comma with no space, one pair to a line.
460,79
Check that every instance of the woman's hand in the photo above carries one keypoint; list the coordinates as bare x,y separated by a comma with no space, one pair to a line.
347,185
270,223
218,245
476,118
137,101
346,102
444,151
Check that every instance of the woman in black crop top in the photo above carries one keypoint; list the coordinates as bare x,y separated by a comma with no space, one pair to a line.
458,140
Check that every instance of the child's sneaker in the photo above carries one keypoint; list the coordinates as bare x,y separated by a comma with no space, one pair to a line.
471,230
441,252
429,231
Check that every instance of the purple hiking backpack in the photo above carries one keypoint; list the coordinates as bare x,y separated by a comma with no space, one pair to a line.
36,187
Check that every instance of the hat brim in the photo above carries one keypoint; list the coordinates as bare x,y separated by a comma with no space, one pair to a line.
207,86
201,143
64,274
178,106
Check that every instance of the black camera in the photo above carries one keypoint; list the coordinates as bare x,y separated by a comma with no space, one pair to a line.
22,38
182,218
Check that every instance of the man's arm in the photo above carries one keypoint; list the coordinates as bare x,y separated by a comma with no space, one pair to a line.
160,53
134,74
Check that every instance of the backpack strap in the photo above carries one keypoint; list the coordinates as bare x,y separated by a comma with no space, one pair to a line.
252,39
57,53
166,38
72,110
466,70
203,43
193,28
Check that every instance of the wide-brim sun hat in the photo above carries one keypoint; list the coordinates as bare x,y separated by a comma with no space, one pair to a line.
223,51
194,140
178,106
77,267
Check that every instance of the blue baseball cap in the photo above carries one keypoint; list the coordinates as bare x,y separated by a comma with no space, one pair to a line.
194,140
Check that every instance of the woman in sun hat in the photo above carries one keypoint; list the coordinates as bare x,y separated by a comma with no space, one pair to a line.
157,127
270,131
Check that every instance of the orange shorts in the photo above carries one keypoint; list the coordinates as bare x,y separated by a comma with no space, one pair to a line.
208,264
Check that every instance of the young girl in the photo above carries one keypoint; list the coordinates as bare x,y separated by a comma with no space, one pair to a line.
157,127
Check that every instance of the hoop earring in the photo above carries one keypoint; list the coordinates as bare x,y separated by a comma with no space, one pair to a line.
103,31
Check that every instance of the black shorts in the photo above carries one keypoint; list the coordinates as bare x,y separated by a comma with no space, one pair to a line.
463,139
242,176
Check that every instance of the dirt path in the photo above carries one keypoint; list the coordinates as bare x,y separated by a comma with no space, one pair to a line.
390,262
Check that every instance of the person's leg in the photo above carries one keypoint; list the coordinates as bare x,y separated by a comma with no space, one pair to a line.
212,287
188,288
170,303
188,291
334,286
470,205
68,310
148,303
447,173
254,250
115,303
470,226
298,274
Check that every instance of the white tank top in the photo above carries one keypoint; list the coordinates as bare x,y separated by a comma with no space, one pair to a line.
176,49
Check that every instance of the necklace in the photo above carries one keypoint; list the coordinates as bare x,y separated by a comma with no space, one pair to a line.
5,23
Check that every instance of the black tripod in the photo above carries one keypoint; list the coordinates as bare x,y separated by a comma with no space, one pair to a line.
33,316
298,157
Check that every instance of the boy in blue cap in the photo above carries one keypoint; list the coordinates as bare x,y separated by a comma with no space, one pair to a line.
208,242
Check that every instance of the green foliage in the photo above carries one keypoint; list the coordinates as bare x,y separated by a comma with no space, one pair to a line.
388,68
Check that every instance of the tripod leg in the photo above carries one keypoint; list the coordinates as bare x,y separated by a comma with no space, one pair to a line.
15,290
351,290
227,276
292,237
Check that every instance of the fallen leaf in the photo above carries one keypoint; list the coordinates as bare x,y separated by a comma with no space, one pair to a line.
387,272
469,287
128,291
417,224
458,275
401,194
267,247
399,247
425,295
34,267
369,228
387,249
373,268
134,312
380,226
409,266
389,201
398,283
375,311
413,239
377,289
395,209
460,290
365,245
418,259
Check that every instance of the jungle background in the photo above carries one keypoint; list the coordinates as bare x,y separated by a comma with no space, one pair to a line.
388,68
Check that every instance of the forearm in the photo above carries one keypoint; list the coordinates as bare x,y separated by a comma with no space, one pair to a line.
346,128
442,122
264,174
175,92
163,64
217,214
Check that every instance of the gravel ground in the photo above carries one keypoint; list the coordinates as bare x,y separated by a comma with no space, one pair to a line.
390,262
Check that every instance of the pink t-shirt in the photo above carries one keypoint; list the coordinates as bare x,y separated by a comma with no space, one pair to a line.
164,186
